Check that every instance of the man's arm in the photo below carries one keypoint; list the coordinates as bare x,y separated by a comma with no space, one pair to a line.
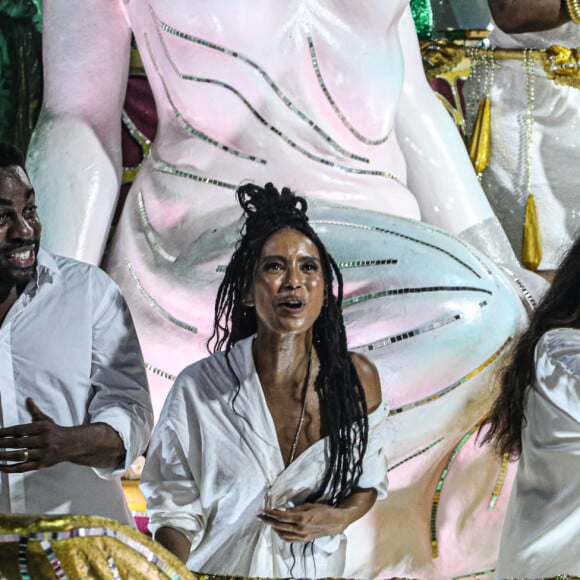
515,16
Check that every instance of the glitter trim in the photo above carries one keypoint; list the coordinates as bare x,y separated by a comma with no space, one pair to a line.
366,263
419,290
172,170
53,560
428,327
22,548
416,454
150,234
45,537
116,575
159,309
439,487
397,234
331,101
130,173
525,292
499,485
159,372
454,385
267,78
474,575
185,124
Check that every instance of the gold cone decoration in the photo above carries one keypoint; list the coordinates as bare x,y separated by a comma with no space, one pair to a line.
480,143
531,244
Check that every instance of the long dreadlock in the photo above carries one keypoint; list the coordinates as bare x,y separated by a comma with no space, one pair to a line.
343,407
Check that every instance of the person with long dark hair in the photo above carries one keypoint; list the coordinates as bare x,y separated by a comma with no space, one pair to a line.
273,442
536,418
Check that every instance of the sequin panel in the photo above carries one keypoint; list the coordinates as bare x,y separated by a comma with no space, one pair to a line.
273,86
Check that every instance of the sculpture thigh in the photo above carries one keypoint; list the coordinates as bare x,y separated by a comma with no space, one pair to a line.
432,313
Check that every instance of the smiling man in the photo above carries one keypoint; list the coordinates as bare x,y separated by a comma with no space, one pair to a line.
75,406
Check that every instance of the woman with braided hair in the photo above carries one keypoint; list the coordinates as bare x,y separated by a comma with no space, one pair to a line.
274,440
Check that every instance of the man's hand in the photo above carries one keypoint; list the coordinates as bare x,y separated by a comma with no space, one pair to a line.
43,443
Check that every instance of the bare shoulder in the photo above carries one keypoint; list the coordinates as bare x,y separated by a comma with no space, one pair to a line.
369,377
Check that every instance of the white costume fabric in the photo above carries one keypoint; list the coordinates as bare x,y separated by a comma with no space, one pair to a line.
555,161
214,463
541,533
69,343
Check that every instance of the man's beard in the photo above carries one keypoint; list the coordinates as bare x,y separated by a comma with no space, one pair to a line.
18,277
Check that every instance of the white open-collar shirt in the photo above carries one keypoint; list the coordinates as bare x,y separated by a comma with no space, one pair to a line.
69,343
215,463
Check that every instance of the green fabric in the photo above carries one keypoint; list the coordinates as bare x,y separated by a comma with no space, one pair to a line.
423,17
20,69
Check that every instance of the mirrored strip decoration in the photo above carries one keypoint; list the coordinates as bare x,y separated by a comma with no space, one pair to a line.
418,290
22,548
158,308
477,575
150,234
265,76
366,263
416,454
331,101
130,173
185,124
439,487
396,234
172,170
525,292
160,373
454,385
115,574
407,334
53,560
499,485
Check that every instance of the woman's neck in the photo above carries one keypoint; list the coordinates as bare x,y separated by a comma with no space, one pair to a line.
282,360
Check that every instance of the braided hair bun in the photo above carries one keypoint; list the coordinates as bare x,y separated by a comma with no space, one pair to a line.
268,209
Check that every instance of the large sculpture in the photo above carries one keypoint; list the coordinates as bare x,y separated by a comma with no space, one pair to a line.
330,99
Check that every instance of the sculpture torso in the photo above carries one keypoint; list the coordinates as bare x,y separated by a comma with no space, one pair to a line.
302,93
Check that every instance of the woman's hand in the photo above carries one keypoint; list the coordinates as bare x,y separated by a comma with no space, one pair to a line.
315,520
306,522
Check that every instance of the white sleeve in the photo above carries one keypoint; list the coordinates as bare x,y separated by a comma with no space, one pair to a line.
375,461
558,369
167,481
120,392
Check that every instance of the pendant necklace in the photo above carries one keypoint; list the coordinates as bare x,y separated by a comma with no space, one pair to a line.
302,412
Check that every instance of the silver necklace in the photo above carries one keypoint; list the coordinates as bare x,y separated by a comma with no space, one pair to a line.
302,411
